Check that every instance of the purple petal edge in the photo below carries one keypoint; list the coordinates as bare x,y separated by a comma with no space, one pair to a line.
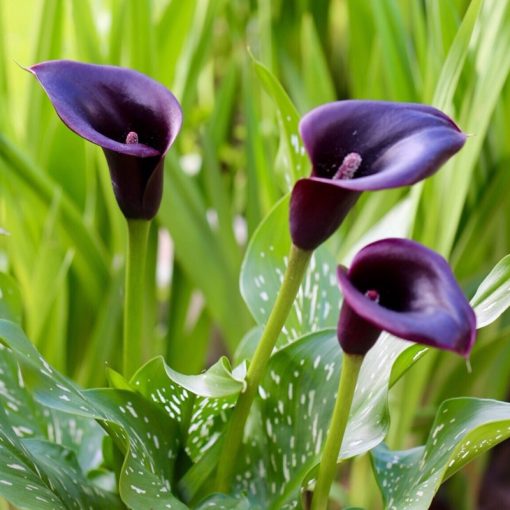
58,77
399,143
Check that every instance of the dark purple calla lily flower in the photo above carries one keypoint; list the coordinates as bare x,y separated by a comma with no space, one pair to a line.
358,146
401,287
132,117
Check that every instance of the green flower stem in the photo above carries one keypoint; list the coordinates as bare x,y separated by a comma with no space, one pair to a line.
351,365
298,262
138,231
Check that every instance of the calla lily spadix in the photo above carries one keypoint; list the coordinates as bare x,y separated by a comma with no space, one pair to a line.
133,118
408,290
357,146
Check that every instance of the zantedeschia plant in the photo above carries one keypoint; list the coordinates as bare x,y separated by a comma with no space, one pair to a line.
268,431
353,146
401,287
134,120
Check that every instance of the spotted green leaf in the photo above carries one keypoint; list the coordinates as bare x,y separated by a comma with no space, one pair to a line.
148,439
287,427
149,426
463,429
36,474
24,415
145,434
318,300
28,419
200,404
32,434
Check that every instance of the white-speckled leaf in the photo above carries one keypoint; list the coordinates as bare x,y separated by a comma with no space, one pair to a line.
463,429
148,439
143,432
287,427
216,382
38,475
25,416
168,411
145,435
29,419
493,295
318,300
200,404
20,482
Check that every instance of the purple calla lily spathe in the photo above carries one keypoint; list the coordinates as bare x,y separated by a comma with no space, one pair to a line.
399,286
357,146
133,118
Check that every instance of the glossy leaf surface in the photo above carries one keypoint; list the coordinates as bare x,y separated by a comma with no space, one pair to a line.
463,429
318,300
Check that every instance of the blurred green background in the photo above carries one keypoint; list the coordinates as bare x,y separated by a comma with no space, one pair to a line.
244,72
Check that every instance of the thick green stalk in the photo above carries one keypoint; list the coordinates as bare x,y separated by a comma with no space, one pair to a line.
351,365
298,262
138,231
